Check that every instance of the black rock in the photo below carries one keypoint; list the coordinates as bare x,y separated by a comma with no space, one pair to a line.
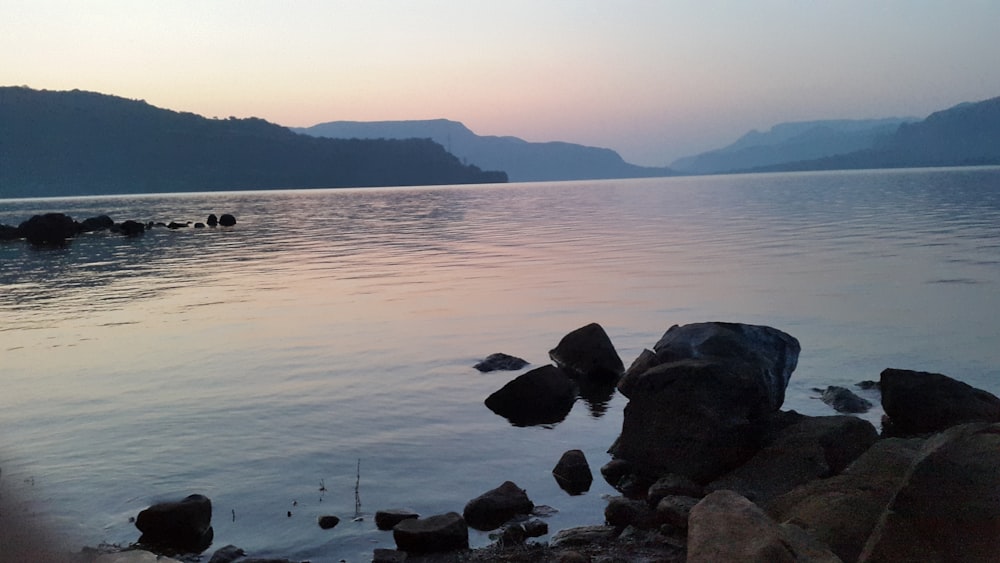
572,473
500,361
183,525
130,228
48,229
543,395
444,532
99,223
491,509
387,519
918,402
212,220
8,232
227,220
327,522
588,352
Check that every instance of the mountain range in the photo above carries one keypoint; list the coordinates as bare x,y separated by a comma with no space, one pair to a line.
83,143
523,161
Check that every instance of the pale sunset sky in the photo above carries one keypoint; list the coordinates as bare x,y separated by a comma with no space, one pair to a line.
653,80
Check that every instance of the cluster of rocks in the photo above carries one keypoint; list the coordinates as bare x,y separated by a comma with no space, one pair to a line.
54,229
710,469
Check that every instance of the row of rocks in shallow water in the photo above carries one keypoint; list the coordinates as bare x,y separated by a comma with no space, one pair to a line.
54,229
711,469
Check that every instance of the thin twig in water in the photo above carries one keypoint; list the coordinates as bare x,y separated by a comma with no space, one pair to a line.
357,491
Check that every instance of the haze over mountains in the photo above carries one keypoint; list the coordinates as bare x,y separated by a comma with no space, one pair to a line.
523,161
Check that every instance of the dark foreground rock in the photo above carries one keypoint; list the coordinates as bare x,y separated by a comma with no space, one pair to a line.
918,402
500,361
588,352
491,509
948,508
226,220
387,519
184,526
444,532
544,395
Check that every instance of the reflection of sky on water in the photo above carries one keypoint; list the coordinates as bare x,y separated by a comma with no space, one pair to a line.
328,326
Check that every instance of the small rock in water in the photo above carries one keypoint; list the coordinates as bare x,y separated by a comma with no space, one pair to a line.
500,361
843,399
327,522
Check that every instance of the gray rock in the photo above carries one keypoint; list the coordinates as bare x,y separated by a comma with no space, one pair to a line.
919,402
544,395
725,526
814,448
948,508
183,525
843,399
383,555
572,473
443,532
491,509
227,554
387,519
500,361
587,352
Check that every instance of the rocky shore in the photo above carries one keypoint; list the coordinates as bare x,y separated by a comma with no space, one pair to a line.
55,229
708,466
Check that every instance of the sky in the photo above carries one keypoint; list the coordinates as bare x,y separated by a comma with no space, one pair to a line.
654,80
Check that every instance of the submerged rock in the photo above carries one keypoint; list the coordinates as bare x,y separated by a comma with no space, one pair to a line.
500,361
443,532
572,473
843,399
386,519
48,229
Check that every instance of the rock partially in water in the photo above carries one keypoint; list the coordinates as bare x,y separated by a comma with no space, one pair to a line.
129,228
572,473
227,220
8,232
328,521
543,395
49,229
500,361
212,220
493,508
843,399
227,554
184,526
918,402
388,518
98,223
443,532
587,352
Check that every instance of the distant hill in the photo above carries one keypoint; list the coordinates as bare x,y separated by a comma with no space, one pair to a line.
522,160
965,135
792,142
82,143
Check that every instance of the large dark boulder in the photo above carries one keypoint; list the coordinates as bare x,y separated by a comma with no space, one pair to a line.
130,228
704,403
212,220
587,352
572,473
948,508
814,448
48,229
444,532
226,220
388,518
491,509
183,526
918,402
544,395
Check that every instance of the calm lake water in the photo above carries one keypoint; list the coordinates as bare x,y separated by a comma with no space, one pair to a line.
257,363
